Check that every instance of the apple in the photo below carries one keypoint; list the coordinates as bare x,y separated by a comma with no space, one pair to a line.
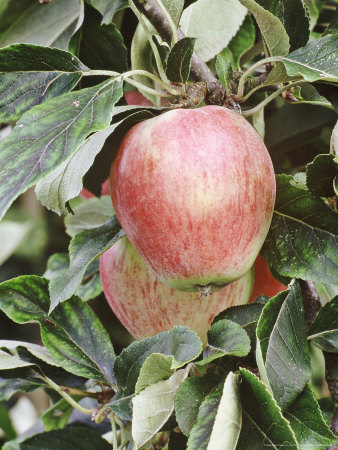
194,191
146,306
265,283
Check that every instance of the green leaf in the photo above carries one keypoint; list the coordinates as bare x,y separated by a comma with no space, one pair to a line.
70,438
156,367
108,8
228,421
316,61
44,138
219,25
333,25
90,286
154,405
225,338
262,421
313,8
84,248
243,40
224,66
31,75
42,24
183,344
73,334
293,16
91,213
57,415
174,8
8,361
100,46
18,380
6,424
302,238
200,433
307,422
324,330
65,182
281,334
271,27
189,397
320,174
179,60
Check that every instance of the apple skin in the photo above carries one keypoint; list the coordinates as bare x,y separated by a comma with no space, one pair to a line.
265,283
146,306
194,191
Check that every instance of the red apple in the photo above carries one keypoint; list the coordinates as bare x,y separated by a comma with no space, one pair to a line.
194,190
136,98
146,306
265,283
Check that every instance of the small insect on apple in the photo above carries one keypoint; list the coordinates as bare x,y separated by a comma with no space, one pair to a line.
194,191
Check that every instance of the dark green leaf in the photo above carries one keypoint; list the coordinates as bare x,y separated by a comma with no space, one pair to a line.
179,60
30,75
262,422
101,46
281,333
84,248
224,66
183,344
320,175
25,299
307,422
18,380
324,330
6,424
271,27
76,339
200,433
189,398
50,24
295,125
242,41
316,61
302,240
244,315
70,438
225,338
73,334
49,133
293,16
108,8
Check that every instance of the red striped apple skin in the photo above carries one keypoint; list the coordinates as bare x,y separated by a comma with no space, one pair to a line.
265,283
146,306
194,191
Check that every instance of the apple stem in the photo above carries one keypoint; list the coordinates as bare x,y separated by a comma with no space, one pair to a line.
251,112
241,83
